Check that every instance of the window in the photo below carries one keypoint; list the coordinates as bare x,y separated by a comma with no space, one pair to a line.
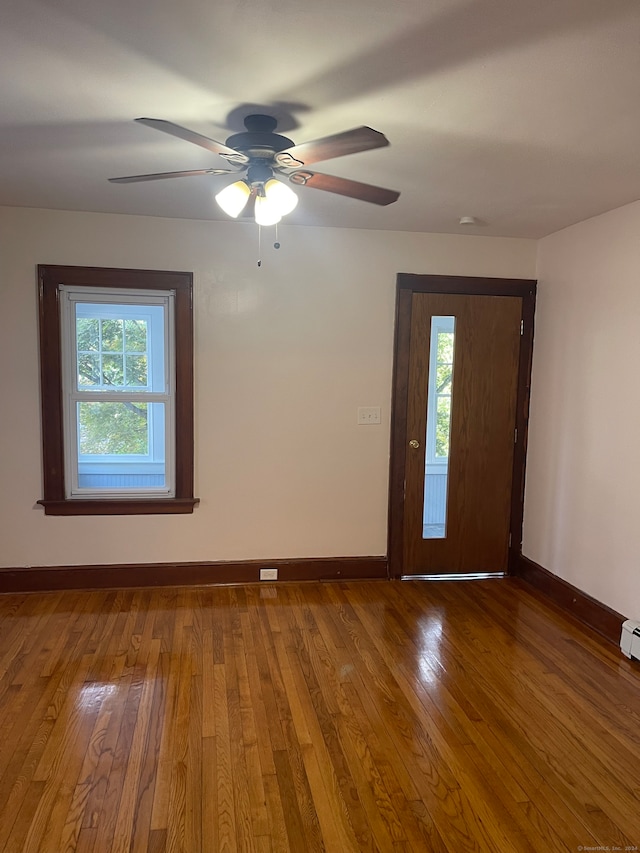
440,389
439,396
117,386
116,351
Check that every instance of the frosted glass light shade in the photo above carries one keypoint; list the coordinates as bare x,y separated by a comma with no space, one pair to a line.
282,196
233,199
266,212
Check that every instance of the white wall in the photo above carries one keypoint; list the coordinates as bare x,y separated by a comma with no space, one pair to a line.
284,356
583,470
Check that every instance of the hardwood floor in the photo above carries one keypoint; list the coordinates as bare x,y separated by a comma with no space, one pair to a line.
343,717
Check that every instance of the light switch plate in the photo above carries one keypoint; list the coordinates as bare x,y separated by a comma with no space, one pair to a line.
369,414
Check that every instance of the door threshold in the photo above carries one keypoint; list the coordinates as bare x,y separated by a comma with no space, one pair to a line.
450,576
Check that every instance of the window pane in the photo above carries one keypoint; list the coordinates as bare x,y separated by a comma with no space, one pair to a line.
121,446
136,370
135,335
88,332
112,335
88,370
445,347
120,346
113,371
113,428
440,388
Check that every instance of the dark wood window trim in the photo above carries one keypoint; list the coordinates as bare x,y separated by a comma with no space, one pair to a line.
50,279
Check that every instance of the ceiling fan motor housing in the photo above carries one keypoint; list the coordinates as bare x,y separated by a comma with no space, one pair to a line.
259,140
259,173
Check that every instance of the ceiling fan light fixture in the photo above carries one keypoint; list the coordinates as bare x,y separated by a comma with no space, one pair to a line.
281,196
233,198
266,211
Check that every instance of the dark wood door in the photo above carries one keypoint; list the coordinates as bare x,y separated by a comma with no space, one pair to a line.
476,430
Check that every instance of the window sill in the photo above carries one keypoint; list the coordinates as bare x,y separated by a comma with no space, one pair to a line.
120,506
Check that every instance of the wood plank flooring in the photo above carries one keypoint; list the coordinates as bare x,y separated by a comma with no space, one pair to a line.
337,717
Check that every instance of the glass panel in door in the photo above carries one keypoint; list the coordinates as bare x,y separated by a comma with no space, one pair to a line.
439,399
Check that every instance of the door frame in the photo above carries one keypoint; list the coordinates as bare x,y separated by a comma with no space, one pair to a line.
407,285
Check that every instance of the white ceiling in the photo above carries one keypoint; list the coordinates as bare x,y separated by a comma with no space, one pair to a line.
525,115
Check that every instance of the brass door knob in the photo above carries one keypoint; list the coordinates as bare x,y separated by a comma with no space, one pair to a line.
414,443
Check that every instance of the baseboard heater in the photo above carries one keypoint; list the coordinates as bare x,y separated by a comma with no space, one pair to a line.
630,639
451,576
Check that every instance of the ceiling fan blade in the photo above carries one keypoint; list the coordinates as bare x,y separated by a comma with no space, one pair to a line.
342,186
348,142
159,176
196,138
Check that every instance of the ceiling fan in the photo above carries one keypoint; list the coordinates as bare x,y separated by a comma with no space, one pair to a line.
266,158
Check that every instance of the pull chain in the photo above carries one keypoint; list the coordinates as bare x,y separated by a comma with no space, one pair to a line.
276,245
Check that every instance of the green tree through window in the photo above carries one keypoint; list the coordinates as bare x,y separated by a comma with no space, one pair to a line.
112,355
444,375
